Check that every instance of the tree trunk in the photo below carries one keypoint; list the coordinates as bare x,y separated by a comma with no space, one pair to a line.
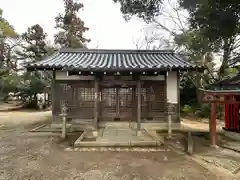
226,53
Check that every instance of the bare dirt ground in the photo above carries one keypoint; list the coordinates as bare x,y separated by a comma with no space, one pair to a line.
23,117
201,125
27,157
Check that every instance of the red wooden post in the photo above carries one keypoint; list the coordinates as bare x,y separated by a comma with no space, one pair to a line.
226,114
213,125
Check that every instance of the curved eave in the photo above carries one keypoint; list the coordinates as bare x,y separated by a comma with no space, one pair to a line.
114,60
221,92
183,69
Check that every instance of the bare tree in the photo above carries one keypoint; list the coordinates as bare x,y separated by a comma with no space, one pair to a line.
151,39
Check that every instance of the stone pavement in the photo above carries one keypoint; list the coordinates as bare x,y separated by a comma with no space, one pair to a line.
122,132
119,135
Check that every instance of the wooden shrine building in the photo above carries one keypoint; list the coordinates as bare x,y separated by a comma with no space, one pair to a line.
114,85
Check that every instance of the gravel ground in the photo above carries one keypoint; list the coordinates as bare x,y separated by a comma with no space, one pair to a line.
24,156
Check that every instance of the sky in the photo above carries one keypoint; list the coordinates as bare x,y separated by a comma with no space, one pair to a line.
107,28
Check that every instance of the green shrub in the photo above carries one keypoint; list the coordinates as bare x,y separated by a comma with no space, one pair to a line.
204,112
187,110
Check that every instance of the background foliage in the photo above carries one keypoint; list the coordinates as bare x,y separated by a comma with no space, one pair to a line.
205,32
202,30
31,46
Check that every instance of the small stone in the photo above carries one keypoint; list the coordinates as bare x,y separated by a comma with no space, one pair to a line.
76,149
136,178
68,149
118,149
135,149
102,149
93,149
165,158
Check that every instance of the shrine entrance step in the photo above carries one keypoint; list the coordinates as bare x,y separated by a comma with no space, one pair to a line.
119,135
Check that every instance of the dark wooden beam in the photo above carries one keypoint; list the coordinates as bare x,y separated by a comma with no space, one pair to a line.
117,103
53,95
96,102
134,105
138,104
165,96
178,97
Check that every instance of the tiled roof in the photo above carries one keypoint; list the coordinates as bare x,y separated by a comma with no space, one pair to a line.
113,60
233,80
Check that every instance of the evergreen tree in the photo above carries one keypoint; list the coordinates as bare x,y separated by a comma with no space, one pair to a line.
34,46
70,26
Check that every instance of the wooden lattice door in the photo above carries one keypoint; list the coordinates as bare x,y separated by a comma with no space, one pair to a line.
116,104
108,103
125,104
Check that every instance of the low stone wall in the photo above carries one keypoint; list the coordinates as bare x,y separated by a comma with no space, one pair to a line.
232,135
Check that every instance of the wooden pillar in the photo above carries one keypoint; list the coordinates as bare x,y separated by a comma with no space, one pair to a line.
178,94
117,103
138,105
213,125
166,98
53,96
134,104
96,103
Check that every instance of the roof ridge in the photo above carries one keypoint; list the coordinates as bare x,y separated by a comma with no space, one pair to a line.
85,50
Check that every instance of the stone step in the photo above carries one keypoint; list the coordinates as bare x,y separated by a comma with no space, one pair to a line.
118,149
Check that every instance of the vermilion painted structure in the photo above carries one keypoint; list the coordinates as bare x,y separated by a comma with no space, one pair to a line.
226,92
232,114
231,101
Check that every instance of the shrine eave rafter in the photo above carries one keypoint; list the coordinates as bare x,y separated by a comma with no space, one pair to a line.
221,92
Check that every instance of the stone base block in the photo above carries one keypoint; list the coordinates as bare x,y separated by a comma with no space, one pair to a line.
139,133
95,133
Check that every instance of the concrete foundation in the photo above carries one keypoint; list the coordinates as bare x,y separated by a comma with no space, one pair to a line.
139,133
118,135
144,125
